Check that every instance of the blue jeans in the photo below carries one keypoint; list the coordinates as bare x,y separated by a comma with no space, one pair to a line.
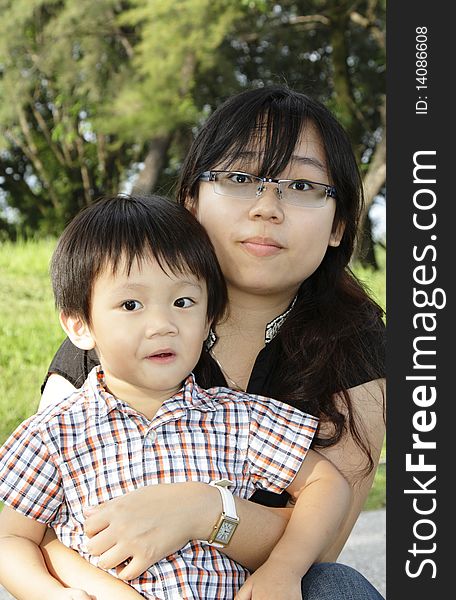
334,581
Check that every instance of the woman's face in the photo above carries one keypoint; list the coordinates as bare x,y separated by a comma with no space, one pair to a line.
265,246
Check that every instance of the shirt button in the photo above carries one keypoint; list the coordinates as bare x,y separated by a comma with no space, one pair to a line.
151,437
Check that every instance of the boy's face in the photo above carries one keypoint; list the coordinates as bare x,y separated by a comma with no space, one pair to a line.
148,328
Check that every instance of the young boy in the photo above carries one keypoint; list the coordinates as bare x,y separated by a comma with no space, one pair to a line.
137,279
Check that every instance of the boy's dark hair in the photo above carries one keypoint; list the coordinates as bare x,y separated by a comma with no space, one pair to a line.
333,332
127,228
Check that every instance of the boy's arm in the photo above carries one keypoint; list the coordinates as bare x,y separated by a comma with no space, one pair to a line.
73,570
24,573
323,501
22,568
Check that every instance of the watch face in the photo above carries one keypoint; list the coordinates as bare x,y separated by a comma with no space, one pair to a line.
225,532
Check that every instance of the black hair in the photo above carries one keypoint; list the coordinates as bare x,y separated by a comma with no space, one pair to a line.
125,228
325,337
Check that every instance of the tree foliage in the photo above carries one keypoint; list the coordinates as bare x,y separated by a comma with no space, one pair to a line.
90,91
60,62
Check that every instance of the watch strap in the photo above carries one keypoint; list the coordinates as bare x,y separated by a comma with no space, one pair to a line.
229,506
228,513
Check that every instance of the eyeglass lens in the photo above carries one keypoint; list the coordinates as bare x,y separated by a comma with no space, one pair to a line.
297,192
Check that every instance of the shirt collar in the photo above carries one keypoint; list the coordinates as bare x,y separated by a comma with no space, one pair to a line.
274,326
190,396
271,330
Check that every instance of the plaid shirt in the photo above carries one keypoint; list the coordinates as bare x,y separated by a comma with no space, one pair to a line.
92,447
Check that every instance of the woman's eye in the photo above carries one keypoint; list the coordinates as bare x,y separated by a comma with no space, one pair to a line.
239,178
132,305
184,302
301,186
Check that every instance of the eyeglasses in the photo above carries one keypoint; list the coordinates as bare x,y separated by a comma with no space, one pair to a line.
299,192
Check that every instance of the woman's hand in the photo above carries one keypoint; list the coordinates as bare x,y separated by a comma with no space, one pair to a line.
144,526
270,582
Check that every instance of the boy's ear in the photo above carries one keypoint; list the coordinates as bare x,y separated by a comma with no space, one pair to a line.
207,330
336,234
78,331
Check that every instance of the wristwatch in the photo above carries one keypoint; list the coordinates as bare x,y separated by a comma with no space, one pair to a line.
226,524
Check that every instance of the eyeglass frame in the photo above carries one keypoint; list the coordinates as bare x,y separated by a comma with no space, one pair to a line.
210,176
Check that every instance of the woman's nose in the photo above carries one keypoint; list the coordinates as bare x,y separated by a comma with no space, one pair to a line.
268,205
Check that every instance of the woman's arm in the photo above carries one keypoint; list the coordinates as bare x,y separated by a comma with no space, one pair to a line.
369,407
323,498
192,508
56,388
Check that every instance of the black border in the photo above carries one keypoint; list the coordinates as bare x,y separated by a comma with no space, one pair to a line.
408,133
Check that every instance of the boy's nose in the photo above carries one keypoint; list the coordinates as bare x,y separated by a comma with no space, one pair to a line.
160,324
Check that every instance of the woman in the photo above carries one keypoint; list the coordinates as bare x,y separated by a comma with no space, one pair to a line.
300,328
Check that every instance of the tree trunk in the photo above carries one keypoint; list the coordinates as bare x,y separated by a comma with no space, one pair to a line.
373,183
153,164
341,77
365,249
376,174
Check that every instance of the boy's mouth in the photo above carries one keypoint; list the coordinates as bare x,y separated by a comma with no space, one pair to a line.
162,356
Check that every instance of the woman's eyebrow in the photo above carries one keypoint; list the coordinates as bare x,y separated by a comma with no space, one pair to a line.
303,160
308,160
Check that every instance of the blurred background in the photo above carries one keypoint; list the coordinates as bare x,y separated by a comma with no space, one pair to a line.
106,96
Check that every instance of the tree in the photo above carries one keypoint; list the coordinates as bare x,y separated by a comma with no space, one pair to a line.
60,64
91,91
331,48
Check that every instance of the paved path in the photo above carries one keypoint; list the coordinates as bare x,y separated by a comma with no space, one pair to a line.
365,550
4,594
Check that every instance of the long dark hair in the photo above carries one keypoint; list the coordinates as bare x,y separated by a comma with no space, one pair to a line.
333,330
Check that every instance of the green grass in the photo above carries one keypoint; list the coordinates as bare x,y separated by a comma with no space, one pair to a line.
374,281
377,495
30,333
29,329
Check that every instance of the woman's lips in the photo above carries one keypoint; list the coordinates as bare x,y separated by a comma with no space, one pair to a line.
262,246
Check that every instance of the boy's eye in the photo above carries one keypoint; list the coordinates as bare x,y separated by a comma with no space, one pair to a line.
131,305
184,302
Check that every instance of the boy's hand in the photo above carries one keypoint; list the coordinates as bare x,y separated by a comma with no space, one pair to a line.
271,582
